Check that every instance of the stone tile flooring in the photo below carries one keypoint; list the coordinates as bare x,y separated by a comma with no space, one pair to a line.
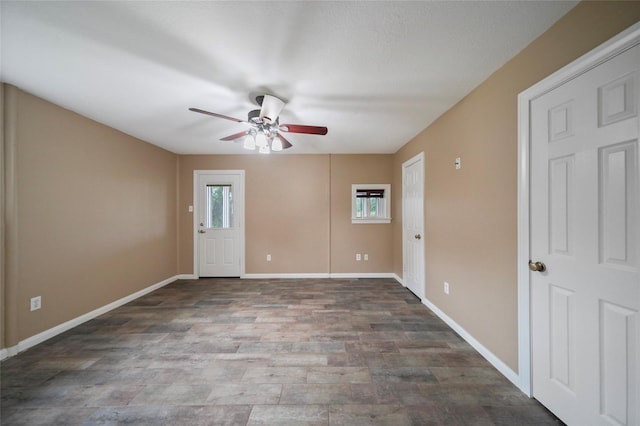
263,352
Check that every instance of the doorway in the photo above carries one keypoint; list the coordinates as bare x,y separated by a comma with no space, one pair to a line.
413,225
579,237
218,223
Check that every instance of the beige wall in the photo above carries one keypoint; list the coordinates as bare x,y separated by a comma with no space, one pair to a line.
285,210
96,215
297,208
347,239
470,214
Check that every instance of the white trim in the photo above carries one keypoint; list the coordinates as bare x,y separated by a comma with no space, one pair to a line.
625,40
397,278
370,221
239,215
363,275
65,326
486,353
6,353
283,276
186,277
321,275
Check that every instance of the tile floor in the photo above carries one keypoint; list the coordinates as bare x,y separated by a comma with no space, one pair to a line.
263,352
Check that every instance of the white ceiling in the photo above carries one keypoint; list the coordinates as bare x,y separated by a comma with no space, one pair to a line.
375,73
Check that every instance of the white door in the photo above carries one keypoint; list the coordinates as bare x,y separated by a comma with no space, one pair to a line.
585,230
413,224
219,224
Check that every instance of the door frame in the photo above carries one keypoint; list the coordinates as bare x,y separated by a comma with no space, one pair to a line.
623,41
238,214
416,158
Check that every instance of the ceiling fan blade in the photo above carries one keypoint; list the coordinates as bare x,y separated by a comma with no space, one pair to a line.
271,108
235,136
213,114
299,128
285,143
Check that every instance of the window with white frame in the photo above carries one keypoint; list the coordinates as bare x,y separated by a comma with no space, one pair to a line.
370,203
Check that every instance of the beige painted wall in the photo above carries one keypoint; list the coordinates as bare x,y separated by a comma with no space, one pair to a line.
347,239
470,214
297,208
96,215
286,210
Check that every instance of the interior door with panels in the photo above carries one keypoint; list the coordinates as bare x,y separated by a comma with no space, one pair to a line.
585,238
413,225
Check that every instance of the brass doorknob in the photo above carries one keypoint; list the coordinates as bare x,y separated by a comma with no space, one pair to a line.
537,266
417,236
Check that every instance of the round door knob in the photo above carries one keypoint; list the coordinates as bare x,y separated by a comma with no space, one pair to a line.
537,266
417,236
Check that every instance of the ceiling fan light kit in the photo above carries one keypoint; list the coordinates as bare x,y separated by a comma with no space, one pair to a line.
250,141
276,144
264,134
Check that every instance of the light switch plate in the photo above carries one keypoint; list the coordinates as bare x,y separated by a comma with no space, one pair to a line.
35,303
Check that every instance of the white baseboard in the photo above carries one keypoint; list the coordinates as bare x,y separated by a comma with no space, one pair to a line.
503,368
322,275
397,278
8,352
47,334
283,276
362,275
186,277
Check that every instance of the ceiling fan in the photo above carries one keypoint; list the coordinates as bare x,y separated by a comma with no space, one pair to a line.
265,133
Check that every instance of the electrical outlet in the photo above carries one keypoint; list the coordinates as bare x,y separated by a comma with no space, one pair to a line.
268,258
36,303
458,163
366,257
446,287
358,257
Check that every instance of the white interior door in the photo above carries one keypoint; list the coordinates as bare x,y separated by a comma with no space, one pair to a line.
413,224
219,224
585,230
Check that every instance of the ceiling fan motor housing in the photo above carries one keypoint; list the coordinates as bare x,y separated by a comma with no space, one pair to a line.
271,108
254,116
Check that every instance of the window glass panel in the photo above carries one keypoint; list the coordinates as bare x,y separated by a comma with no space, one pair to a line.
373,206
360,206
219,206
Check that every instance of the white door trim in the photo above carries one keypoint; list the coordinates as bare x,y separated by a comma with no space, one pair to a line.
409,162
625,40
239,215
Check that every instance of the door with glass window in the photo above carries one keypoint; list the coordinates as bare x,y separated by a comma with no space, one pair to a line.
219,222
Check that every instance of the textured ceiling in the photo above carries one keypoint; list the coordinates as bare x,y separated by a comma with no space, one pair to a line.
374,73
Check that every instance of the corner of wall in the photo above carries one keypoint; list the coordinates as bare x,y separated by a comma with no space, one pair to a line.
9,216
2,228
177,221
